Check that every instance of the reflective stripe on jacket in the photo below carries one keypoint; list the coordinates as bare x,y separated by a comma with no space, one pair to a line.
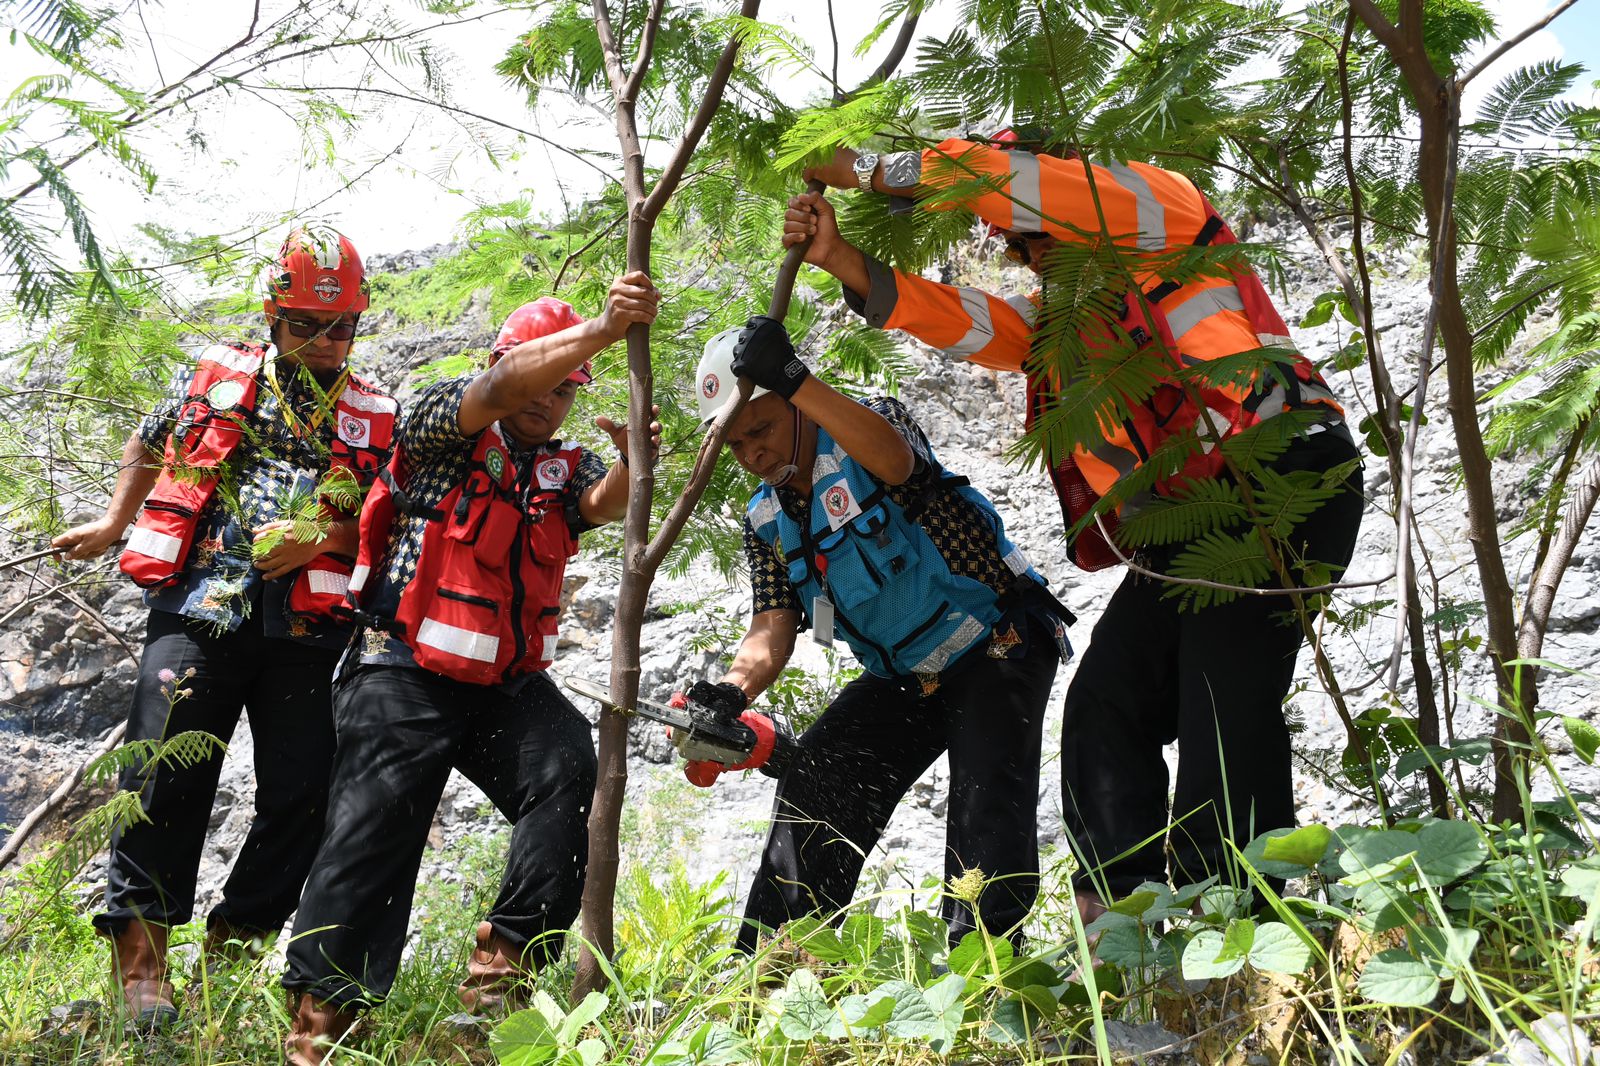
896,602
207,431
483,602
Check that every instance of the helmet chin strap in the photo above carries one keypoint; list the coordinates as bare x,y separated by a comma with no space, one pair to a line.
783,474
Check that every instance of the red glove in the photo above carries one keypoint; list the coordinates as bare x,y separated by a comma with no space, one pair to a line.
703,772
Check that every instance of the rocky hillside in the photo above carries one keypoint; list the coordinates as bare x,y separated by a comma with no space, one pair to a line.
64,681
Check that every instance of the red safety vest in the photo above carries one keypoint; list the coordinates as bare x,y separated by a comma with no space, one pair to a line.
210,425
483,603
1171,408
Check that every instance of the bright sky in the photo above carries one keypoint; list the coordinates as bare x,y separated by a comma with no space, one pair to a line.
429,172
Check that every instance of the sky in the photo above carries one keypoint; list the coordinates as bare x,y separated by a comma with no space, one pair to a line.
421,173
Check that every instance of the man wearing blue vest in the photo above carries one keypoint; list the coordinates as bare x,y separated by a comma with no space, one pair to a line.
858,532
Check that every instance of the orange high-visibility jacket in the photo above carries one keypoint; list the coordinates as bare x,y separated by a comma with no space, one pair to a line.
1146,209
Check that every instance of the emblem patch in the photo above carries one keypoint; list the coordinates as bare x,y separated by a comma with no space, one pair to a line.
495,461
328,288
839,504
552,473
225,394
710,385
354,431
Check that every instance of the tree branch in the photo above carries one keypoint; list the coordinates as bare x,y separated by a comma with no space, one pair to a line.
647,46
667,183
1511,42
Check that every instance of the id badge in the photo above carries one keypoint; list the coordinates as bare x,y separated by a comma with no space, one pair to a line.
822,621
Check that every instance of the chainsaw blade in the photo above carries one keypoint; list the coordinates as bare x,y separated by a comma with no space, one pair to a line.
656,712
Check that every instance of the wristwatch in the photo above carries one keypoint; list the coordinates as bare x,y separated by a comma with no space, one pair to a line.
865,166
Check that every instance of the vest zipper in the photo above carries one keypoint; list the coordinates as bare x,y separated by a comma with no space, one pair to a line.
519,639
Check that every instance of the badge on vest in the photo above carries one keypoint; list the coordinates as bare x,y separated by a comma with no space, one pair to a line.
552,473
354,431
225,394
839,504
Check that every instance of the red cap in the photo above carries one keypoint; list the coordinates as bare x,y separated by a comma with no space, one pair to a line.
316,269
541,318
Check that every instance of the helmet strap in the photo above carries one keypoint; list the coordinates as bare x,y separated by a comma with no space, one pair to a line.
784,474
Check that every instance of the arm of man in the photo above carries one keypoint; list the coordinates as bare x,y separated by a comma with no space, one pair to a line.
866,436
135,478
607,499
964,323
764,652
535,368
289,555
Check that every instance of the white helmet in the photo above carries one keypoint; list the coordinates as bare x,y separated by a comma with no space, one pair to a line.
715,383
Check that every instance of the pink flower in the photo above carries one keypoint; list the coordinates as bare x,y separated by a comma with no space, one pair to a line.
167,676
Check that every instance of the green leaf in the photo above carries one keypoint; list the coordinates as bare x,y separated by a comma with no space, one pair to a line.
806,1013
1237,940
720,1045
1584,736
1202,957
1125,943
1279,949
1447,850
1134,904
1581,879
944,999
1288,852
593,1005
1448,950
524,1039
971,956
1396,978
860,1012
913,1017
1373,856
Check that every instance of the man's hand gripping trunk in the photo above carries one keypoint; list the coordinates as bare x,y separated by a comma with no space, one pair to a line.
726,735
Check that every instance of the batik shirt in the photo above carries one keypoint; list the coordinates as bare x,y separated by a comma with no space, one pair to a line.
285,449
437,459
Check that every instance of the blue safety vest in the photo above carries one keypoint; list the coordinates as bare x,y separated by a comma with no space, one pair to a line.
895,601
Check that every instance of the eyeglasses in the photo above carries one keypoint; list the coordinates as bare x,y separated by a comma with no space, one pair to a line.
1017,249
306,328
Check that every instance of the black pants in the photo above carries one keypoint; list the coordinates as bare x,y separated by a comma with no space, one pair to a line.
285,686
870,745
1214,680
400,732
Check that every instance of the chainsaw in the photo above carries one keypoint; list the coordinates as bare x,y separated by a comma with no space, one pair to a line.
713,740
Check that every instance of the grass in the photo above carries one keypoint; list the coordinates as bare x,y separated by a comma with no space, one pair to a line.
1440,940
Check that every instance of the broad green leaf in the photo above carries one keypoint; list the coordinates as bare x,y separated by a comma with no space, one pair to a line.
1447,850
806,1013
1581,879
1584,736
1135,904
972,955
1278,949
1011,1023
859,1013
1236,941
913,1017
591,1052
1202,958
1300,847
1449,950
524,1039
721,1045
1126,944
817,937
1373,856
1041,999
593,1005
1398,979
944,999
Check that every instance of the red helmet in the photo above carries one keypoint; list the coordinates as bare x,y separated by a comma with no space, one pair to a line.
317,269
541,318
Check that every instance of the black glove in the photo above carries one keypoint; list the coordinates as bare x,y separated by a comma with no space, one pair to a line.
764,354
726,700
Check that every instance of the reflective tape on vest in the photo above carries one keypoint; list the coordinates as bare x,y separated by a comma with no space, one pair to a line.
1152,236
1201,306
480,647
965,635
154,544
358,577
764,511
1026,308
549,653
328,582
1025,193
976,305
1276,340
1017,561
366,401
239,362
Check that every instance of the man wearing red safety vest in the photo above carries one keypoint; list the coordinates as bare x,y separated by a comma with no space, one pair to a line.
240,607
1213,680
457,583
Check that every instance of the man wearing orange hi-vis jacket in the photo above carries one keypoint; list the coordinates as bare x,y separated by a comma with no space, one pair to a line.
240,606
1212,679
